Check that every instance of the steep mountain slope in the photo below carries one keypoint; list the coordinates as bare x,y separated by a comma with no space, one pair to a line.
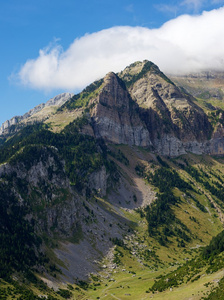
92,209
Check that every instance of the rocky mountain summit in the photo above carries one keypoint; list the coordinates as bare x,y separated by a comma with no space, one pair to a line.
139,106
143,107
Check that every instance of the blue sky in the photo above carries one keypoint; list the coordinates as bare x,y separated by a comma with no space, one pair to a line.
54,46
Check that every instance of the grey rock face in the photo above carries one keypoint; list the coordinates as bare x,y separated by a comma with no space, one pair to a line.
98,181
176,125
5,126
58,100
114,117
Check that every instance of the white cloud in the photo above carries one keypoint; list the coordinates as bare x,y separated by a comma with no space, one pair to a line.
187,43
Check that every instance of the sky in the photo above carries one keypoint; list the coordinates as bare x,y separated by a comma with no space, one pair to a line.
53,46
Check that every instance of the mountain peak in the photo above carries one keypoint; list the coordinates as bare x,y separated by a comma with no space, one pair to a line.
138,70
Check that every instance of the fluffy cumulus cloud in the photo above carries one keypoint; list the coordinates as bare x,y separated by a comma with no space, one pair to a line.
185,44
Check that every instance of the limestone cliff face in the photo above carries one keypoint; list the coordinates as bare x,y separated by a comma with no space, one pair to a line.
115,117
217,139
8,123
174,122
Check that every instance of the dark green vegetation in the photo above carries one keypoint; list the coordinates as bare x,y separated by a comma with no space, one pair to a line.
215,247
17,237
216,117
148,66
82,99
119,155
82,154
210,260
159,214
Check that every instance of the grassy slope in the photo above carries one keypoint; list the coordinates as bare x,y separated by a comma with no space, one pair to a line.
135,273
137,269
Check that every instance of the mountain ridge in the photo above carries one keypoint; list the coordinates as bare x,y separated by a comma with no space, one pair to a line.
138,106
58,100
169,119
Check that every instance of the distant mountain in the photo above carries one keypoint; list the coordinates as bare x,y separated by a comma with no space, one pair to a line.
207,86
38,114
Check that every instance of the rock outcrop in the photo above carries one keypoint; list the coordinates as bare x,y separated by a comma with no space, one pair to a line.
114,116
7,126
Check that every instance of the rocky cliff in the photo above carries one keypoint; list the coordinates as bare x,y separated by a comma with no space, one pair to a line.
174,122
32,115
114,116
40,182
